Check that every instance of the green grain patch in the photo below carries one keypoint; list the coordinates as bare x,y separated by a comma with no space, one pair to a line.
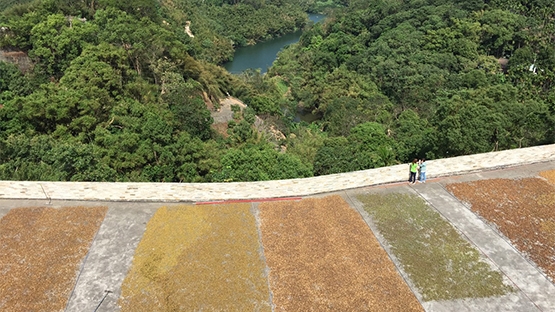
41,250
441,264
194,258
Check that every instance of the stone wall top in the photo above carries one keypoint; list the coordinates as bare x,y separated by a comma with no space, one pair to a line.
198,192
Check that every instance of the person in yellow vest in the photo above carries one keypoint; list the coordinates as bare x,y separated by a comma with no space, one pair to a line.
413,169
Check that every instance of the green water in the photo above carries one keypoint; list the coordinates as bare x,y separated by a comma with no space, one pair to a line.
262,55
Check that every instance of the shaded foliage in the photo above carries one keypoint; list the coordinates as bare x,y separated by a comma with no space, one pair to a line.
120,91
429,72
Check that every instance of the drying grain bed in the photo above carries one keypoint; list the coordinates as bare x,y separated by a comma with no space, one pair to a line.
521,209
41,250
314,254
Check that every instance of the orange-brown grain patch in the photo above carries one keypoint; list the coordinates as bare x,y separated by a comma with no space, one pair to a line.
41,250
523,210
323,257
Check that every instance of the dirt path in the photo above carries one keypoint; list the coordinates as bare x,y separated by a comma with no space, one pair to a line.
225,114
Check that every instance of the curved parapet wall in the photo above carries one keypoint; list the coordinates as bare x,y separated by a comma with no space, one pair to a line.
196,192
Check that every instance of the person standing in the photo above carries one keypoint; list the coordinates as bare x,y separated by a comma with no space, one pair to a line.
423,171
413,169
418,172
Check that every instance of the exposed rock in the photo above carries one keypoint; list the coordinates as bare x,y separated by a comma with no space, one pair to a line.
19,58
504,63
70,19
224,115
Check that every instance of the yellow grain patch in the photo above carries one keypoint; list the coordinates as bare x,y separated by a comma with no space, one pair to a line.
547,199
198,257
548,227
549,175
169,235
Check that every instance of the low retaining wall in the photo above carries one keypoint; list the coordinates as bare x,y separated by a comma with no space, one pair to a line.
195,192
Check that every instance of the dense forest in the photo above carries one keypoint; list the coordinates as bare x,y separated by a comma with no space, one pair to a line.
122,90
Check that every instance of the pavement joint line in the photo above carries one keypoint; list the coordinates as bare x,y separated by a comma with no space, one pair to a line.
106,292
45,194
255,210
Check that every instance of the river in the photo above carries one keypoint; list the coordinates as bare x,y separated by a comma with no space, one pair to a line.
262,55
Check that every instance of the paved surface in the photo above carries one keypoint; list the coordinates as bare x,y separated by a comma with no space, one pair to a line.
109,258
224,114
534,291
517,301
195,192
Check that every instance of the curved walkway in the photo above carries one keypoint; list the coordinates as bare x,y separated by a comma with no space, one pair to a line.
198,192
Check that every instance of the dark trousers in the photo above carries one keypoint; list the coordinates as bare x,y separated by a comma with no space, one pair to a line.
412,177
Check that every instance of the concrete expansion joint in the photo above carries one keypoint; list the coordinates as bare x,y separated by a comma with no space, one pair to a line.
46,194
106,293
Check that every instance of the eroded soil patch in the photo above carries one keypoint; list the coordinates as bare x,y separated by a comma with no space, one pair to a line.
41,250
194,258
323,257
523,210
